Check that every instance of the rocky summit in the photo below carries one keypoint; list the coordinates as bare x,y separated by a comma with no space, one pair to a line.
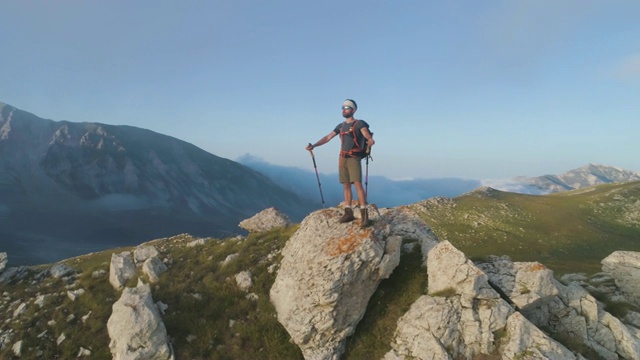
330,270
306,297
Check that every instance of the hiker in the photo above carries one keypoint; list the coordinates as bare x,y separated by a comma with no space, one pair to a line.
356,142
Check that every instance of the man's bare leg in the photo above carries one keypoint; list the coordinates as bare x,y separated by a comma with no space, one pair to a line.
348,212
362,199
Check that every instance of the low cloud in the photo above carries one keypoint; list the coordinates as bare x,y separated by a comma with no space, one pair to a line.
382,191
513,185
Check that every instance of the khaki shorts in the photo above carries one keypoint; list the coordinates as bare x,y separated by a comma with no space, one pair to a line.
350,170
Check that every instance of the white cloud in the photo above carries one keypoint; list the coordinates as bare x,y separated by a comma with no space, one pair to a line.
513,185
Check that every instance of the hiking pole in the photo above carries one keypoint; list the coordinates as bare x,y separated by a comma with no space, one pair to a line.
366,177
315,167
366,180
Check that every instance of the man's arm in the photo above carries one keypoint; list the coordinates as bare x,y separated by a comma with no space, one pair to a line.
322,141
367,135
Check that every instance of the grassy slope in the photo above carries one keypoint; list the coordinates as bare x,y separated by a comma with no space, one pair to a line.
202,295
568,232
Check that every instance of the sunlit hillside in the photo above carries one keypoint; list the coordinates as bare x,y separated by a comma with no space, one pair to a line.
570,231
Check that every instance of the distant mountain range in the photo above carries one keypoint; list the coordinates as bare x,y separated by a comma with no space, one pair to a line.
71,188
386,192
585,176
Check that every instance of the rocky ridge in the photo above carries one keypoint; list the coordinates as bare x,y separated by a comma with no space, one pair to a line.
326,274
88,186
582,177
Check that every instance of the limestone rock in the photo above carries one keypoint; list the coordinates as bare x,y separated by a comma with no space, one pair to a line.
566,311
153,268
438,327
21,309
61,339
329,272
244,280
265,220
13,273
524,283
632,318
526,341
462,315
197,242
624,267
83,352
41,299
3,260
74,294
17,348
61,270
142,253
450,272
228,260
122,269
98,274
457,319
135,327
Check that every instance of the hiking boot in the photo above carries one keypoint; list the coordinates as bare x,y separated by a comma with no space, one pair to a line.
364,218
348,216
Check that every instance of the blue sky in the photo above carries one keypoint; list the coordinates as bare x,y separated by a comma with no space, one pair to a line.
472,89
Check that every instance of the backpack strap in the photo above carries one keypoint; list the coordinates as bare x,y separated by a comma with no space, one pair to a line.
357,149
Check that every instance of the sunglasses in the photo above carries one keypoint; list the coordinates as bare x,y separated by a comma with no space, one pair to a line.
347,108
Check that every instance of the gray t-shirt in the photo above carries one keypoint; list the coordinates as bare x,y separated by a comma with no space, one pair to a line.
346,133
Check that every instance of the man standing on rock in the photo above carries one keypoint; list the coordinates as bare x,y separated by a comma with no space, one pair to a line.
356,144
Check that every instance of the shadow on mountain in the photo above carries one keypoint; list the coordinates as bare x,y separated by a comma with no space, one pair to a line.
71,188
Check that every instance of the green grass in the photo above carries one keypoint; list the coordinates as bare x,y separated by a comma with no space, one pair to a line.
567,232
202,296
392,299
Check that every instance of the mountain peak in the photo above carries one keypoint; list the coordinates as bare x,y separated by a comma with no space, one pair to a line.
95,184
582,177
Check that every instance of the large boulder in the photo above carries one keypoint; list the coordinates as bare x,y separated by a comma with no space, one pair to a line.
568,312
526,341
3,260
121,269
624,267
265,220
153,267
135,327
526,284
462,315
144,252
330,270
